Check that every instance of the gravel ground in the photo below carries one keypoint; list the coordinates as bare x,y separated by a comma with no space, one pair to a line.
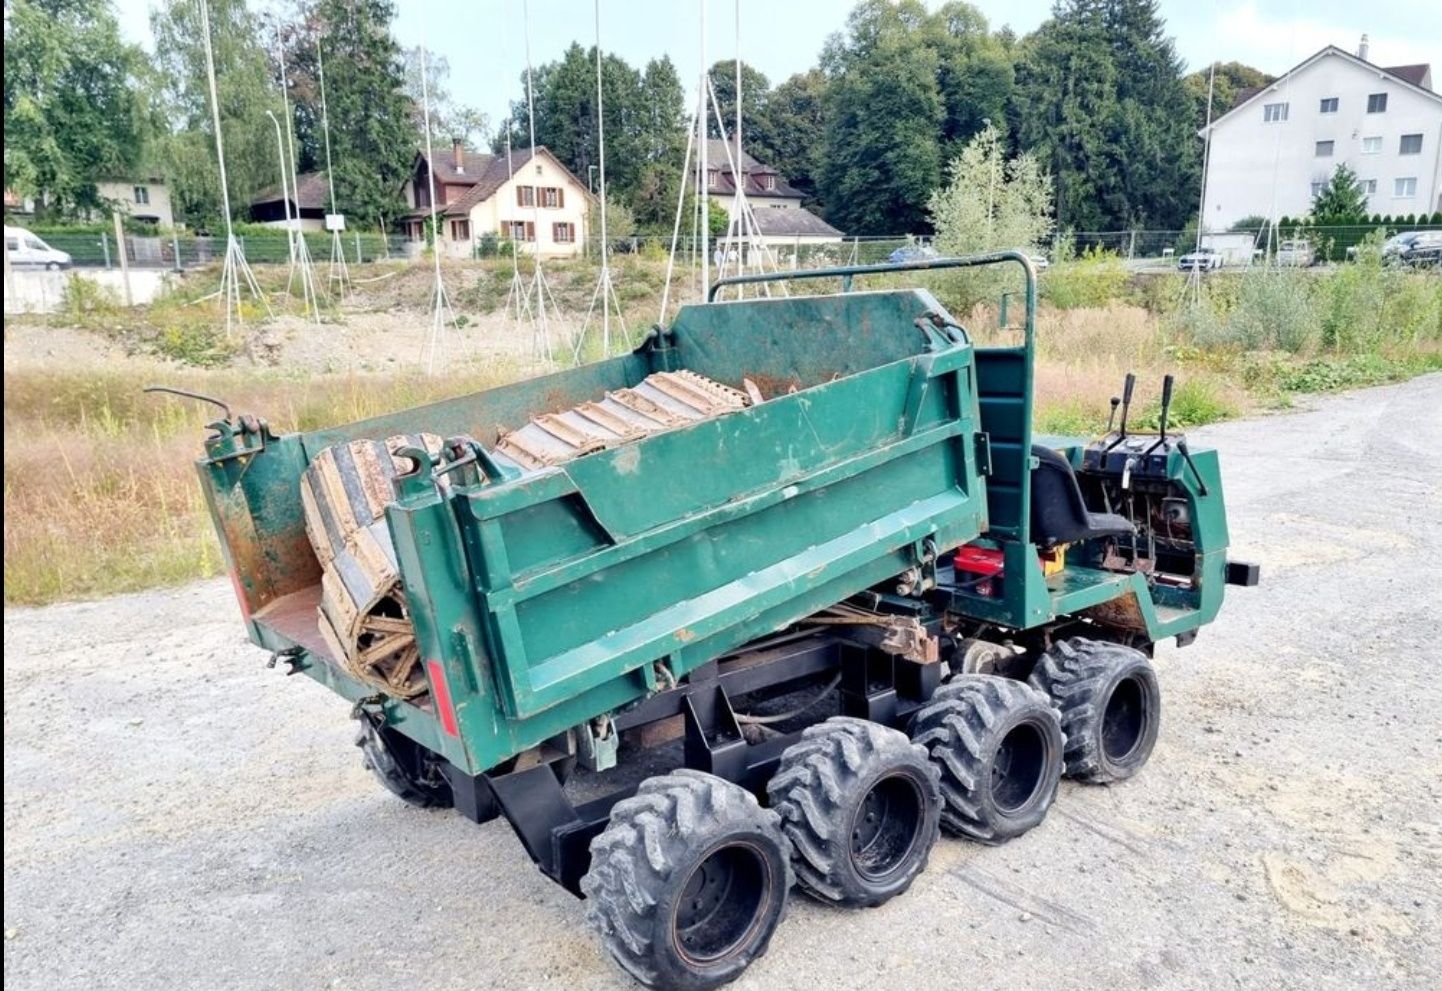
176,815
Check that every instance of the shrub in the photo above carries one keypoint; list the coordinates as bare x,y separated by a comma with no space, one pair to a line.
83,298
1095,279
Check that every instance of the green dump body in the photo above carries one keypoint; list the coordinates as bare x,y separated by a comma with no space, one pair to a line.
546,598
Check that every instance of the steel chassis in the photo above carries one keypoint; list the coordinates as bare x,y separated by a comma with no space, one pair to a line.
556,832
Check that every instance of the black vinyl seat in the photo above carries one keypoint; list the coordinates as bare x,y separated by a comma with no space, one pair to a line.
1059,515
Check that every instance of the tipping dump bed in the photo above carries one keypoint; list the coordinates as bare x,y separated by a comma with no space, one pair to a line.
627,521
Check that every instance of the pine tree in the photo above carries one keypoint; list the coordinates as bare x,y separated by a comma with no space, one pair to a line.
1341,201
1100,97
373,143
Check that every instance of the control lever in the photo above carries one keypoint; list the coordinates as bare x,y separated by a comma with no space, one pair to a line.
1112,417
1166,403
1187,457
1161,440
1127,386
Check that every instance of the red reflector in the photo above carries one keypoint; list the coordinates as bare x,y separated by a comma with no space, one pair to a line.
240,595
441,692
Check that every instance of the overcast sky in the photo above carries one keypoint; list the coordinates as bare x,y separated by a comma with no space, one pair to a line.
484,40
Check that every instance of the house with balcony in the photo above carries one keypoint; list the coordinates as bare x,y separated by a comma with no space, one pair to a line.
1270,154
534,201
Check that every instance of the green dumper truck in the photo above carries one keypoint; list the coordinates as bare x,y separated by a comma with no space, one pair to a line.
769,602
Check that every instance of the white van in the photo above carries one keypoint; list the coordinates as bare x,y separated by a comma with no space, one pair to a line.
25,250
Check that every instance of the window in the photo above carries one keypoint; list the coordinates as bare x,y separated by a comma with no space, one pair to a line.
1404,189
142,193
525,196
769,182
519,230
1274,112
1316,187
1371,146
1329,105
1324,149
713,177
1369,186
12,244
460,230
552,198
1411,145
1377,103
563,233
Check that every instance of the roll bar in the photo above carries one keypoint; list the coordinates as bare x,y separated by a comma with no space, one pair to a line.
847,272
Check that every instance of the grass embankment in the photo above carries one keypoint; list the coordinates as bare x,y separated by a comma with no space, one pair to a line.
101,496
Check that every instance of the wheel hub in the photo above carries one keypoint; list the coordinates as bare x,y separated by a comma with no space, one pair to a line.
720,903
1018,769
1125,721
885,828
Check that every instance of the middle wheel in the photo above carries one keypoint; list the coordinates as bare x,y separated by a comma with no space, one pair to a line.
861,805
998,744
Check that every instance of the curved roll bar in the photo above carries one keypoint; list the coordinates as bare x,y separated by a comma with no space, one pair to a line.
847,272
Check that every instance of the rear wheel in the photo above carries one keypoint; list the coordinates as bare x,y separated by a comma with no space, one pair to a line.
860,804
688,881
998,745
1110,706
406,769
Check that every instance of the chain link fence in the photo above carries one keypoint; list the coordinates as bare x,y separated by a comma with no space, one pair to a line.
1140,249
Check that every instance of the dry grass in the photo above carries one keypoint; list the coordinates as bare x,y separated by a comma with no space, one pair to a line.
100,488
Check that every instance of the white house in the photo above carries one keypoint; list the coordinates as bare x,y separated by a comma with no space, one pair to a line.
512,197
146,198
1270,154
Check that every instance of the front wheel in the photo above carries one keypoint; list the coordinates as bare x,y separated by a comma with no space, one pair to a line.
1110,706
688,881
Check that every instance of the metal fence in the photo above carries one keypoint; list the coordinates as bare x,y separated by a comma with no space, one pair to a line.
1140,248
179,251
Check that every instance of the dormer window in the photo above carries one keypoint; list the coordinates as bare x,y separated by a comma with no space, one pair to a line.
713,177
768,182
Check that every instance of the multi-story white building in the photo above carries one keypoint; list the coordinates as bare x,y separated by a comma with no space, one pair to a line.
1270,154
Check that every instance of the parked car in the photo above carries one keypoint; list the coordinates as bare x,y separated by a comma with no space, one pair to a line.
1296,254
25,250
1422,251
913,253
1420,248
1201,260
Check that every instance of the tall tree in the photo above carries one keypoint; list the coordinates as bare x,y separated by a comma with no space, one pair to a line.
880,156
372,139
662,128
644,134
1101,99
789,136
246,89
755,96
74,109
904,89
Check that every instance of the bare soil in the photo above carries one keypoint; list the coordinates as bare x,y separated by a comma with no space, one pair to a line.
177,815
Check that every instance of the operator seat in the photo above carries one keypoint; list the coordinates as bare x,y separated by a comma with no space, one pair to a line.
1059,514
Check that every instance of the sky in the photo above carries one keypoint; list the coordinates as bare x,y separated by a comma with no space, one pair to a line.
484,41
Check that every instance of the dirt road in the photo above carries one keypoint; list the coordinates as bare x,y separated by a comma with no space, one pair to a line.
178,816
